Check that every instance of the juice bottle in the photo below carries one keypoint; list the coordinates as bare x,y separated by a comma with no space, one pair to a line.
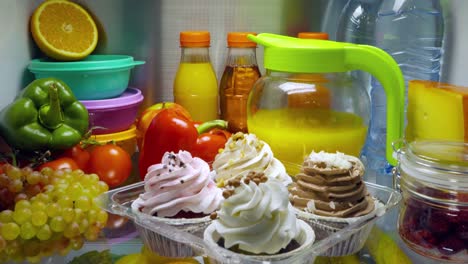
195,84
240,74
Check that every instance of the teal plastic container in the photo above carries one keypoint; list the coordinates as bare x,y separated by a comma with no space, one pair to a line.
93,78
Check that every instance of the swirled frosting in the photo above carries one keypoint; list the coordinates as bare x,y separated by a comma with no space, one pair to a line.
330,184
257,218
244,153
179,183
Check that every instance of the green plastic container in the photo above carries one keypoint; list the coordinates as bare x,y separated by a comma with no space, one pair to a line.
95,77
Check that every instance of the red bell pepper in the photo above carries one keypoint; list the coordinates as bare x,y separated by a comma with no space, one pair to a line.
171,131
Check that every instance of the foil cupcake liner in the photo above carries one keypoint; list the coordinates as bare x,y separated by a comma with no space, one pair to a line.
355,238
220,255
170,245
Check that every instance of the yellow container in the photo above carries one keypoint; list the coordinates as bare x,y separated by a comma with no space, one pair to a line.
125,139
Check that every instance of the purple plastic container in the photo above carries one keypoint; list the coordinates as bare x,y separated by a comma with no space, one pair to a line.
115,114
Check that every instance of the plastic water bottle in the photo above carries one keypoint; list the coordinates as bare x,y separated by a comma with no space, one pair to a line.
412,32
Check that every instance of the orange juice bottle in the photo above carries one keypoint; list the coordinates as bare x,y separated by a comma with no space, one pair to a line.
195,84
240,74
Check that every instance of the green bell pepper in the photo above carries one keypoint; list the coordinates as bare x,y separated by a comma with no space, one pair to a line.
45,116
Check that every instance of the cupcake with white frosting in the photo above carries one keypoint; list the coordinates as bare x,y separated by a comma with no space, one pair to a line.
180,192
244,153
257,221
330,194
331,185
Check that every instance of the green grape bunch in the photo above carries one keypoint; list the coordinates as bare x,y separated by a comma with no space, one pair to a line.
47,212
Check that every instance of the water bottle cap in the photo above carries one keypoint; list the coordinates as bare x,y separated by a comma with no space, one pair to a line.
195,39
313,35
240,40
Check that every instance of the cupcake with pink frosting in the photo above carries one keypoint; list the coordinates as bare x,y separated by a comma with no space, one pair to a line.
179,191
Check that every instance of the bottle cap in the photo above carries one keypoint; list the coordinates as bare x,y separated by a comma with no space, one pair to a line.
240,40
313,35
195,39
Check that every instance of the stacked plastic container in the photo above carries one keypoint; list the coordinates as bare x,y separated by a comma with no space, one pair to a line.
100,82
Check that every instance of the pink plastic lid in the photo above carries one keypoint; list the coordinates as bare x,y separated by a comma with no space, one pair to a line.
130,96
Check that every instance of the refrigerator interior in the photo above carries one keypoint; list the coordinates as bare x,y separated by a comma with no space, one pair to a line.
149,30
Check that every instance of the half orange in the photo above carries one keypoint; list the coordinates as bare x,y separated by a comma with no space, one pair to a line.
64,30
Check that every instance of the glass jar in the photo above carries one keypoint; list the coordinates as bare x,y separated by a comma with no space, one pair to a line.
433,179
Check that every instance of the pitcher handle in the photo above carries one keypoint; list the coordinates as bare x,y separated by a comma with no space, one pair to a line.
383,67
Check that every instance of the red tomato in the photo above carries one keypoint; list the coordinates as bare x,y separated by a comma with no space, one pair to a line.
79,155
111,163
60,164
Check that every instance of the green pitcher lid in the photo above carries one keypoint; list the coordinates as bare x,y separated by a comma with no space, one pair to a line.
288,54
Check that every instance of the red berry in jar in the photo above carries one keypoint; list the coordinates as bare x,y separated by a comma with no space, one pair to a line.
437,223
451,245
462,231
433,219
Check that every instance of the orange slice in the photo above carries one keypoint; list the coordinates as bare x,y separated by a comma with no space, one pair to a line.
63,30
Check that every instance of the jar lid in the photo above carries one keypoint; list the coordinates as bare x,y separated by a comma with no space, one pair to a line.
91,62
313,35
130,96
451,154
441,163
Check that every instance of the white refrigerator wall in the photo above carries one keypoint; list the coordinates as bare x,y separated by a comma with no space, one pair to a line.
16,48
149,31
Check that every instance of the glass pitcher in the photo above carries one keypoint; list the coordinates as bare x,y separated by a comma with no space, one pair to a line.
304,103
